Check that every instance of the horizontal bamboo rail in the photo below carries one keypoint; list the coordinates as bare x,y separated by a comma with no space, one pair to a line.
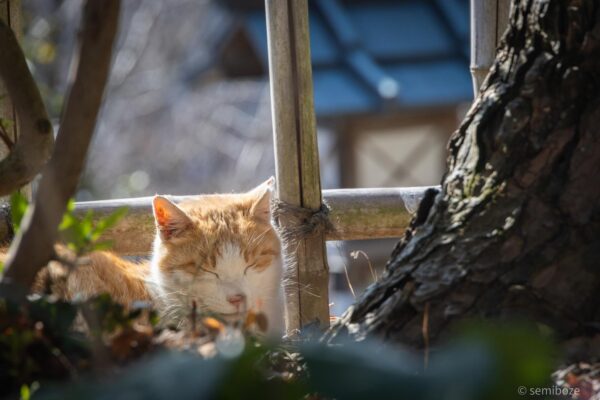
354,214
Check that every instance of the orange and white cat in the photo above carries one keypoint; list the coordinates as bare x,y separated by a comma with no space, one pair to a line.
219,251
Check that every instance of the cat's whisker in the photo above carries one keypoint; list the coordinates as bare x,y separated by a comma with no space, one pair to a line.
290,283
255,238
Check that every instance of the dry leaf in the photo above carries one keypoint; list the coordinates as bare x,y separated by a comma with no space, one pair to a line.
213,324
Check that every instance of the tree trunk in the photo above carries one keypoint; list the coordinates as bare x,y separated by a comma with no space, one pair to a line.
33,247
515,231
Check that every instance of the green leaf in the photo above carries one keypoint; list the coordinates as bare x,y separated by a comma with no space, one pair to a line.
82,235
108,222
18,207
28,391
25,394
70,206
87,224
67,222
105,245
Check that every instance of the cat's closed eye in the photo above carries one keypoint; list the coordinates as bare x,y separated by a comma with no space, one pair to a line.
249,267
209,271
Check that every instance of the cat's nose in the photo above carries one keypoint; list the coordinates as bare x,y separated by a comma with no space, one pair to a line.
236,299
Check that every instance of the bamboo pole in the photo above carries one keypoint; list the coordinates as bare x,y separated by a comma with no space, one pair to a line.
296,157
489,19
355,214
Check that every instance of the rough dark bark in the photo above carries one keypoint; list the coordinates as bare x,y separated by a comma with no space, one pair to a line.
515,231
33,247
33,146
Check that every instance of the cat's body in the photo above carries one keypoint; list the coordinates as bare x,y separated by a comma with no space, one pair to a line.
97,272
217,251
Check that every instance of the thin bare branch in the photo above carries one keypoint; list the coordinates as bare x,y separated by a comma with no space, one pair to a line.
33,247
34,144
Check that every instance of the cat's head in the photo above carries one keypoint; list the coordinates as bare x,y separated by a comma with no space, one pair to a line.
220,251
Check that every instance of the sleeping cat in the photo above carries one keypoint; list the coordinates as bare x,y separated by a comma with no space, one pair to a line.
219,251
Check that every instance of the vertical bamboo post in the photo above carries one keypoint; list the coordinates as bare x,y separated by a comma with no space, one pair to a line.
10,14
296,156
489,19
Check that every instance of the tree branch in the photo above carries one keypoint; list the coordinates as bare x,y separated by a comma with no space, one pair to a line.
34,145
33,247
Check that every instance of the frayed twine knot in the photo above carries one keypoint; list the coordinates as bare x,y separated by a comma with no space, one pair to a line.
301,223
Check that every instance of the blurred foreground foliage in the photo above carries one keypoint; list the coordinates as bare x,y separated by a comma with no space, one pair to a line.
38,341
38,349
97,349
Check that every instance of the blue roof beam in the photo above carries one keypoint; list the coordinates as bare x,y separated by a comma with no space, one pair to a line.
386,87
335,16
360,62
452,17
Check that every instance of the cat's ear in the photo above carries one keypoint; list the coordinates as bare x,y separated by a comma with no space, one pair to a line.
261,206
170,219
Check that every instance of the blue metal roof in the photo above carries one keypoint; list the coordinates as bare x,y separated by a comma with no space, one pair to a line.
400,30
375,54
